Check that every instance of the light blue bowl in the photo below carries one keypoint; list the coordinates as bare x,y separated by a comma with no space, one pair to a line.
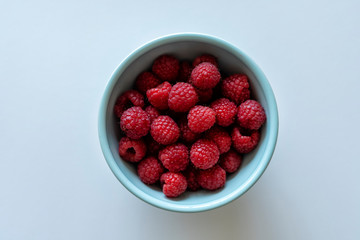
231,60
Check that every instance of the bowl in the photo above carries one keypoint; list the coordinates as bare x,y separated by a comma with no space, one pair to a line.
231,60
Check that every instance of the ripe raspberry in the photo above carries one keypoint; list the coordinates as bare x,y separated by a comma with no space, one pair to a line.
185,133
150,170
164,130
220,137
204,94
243,143
205,58
153,147
201,118
146,81
132,150
126,100
251,115
204,154
236,88
175,157
152,112
173,184
230,161
212,179
135,122
185,71
158,97
166,67
190,174
205,75
225,111
182,97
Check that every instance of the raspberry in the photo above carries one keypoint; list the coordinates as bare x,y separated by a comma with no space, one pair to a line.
220,137
212,179
230,161
185,71
150,170
205,58
175,157
126,100
185,133
132,150
158,97
153,147
164,130
146,81
236,88
243,143
204,94
204,154
225,111
205,75
201,118
152,112
166,67
190,174
251,115
135,123
173,184
182,97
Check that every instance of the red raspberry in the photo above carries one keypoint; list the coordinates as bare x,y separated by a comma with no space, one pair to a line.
182,97
205,75
204,94
230,161
220,137
146,81
164,130
185,71
236,88
173,184
204,154
150,170
225,111
251,115
158,97
152,112
166,67
243,143
185,133
135,123
205,58
128,99
175,157
190,173
201,118
212,179
132,150
153,147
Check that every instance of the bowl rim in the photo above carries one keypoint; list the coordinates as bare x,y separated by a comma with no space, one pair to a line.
269,96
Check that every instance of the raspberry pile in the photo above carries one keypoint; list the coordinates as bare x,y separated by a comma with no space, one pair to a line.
186,126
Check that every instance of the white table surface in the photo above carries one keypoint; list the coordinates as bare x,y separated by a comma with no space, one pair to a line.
56,58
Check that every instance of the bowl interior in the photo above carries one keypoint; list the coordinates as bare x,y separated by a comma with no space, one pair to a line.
231,60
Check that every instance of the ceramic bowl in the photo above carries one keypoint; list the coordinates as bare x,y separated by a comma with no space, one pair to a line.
231,60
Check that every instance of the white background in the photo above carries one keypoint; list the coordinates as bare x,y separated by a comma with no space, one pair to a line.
56,58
